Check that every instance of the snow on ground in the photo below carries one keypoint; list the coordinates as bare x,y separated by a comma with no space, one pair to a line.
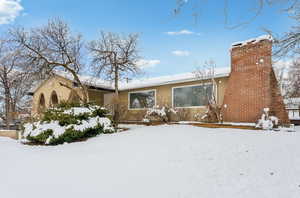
167,161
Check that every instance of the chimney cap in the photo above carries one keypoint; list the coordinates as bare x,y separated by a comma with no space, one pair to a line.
252,41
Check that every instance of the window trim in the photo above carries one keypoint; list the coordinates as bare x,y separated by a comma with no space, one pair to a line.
142,91
215,92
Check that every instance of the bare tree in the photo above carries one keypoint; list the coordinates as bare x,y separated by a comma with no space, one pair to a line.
253,12
115,58
52,47
294,79
288,77
289,43
281,69
204,74
20,101
286,44
13,74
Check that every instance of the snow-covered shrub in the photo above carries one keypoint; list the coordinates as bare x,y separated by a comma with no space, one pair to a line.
159,114
267,122
182,114
201,117
146,120
68,123
212,115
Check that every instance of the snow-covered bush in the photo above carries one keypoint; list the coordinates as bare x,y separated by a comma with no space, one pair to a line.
182,114
267,122
159,114
68,123
212,115
201,117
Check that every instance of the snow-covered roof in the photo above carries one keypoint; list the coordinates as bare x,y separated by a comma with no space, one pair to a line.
172,79
252,40
138,83
87,80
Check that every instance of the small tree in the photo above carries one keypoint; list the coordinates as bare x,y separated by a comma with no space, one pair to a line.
115,58
52,47
288,77
14,74
294,79
207,72
194,8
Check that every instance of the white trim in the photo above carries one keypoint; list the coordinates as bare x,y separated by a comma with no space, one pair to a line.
142,91
194,85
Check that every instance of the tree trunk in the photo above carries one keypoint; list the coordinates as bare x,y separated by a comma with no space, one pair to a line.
84,91
116,105
7,108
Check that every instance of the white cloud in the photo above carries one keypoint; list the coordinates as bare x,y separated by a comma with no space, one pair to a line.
182,32
147,63
181,53
9,10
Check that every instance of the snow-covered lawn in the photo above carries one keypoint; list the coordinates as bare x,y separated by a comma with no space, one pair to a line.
175,161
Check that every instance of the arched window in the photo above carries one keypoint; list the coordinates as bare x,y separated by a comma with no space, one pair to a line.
42,104
54,99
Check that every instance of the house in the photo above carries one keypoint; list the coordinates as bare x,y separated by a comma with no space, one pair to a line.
293,109
242,90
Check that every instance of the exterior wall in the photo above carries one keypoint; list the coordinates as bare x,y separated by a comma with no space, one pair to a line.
164,98
252,85
9,133
50,85
96,96
63,93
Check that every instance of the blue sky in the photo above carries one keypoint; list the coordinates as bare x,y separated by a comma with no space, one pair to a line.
169,53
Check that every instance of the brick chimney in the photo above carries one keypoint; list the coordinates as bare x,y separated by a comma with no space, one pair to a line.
252,84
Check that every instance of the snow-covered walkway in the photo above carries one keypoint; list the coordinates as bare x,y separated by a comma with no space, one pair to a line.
173,161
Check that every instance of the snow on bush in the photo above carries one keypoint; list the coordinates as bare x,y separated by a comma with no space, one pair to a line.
267,122
146,120
68,124
82,110
159,114
201,116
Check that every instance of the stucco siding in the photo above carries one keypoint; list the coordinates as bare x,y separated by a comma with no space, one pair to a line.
96,96
47,88
164,98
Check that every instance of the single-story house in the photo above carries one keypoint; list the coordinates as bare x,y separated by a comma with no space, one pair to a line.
242,90
293,108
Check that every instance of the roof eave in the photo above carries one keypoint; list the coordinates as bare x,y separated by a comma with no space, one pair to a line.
173,82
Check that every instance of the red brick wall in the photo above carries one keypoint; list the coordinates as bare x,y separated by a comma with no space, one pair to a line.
252,85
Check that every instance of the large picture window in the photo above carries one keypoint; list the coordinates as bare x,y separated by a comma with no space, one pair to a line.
142,99
192,96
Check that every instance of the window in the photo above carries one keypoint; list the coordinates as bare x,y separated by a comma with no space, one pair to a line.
142,99
42,104
54,99
192,96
